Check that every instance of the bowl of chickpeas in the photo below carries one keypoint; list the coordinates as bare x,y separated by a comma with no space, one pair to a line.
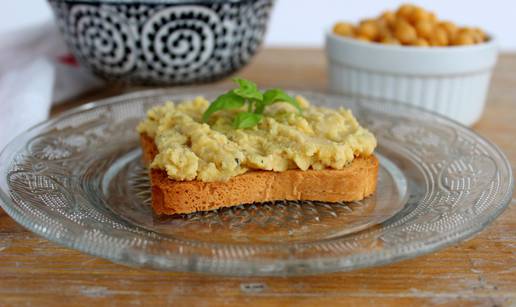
409,55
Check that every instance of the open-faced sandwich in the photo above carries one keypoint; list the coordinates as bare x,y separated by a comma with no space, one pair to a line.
250,146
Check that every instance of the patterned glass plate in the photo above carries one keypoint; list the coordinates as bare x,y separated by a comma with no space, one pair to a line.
78,180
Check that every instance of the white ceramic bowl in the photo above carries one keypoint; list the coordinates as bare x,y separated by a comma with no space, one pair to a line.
452,81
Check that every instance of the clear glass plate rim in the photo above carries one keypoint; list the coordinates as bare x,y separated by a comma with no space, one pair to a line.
439,241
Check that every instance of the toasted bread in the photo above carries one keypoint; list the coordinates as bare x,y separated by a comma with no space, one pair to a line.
352,183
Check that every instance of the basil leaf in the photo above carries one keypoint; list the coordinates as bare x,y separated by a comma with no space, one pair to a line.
247,89
226,101
246,120
276,95
248,92
260,106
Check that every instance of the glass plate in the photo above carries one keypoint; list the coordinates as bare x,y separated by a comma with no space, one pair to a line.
78,180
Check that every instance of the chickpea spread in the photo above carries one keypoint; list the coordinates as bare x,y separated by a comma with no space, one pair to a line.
411,25
189,149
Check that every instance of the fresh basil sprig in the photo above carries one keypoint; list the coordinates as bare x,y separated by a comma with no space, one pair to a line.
248,92
247,89
246,120
227,101
276,95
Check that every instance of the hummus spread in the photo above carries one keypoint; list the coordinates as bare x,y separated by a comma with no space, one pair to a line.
189,149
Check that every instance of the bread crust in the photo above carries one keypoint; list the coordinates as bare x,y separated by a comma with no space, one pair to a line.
354,182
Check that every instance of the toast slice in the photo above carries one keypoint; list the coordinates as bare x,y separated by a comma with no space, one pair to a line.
354,182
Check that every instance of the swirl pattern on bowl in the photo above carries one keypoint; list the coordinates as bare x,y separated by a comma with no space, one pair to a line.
159,43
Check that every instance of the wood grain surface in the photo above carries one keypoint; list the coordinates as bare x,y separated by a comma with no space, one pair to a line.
480,271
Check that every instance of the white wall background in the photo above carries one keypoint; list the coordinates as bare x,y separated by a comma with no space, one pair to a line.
303,22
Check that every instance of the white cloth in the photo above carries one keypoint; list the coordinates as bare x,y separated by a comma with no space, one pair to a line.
35,70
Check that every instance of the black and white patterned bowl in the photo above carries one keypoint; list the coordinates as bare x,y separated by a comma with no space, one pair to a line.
163,42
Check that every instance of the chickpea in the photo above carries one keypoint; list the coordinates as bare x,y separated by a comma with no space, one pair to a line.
476,34
404,32
381,23
421,42
463,38
432,17
480,34
343,28
383,32
450,28
439,37
363,38
389,40
404,11
410,25
424,28
388,17
368,29
418,14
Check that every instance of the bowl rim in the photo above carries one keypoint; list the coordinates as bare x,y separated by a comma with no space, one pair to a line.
491,43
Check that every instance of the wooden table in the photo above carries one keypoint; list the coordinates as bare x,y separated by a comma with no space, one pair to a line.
481,271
